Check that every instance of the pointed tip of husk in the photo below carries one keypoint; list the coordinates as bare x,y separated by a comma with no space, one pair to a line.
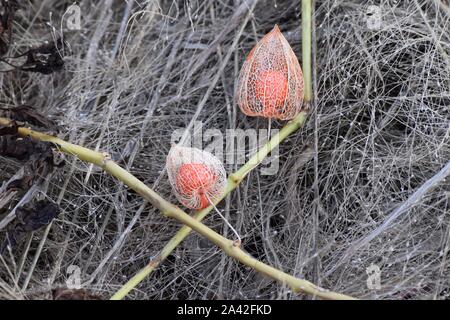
276,32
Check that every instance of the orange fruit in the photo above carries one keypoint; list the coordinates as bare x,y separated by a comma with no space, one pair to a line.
195,180
271,90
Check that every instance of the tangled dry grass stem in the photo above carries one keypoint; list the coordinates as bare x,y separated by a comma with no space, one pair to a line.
139,71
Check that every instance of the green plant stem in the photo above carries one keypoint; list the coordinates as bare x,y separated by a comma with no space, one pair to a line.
307,48
232,183
237,177
104,161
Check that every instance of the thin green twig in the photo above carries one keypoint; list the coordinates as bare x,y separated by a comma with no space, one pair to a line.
306,49
104,161
236,177
232,183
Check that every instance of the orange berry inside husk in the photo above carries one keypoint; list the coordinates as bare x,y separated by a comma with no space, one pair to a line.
195,179
271,91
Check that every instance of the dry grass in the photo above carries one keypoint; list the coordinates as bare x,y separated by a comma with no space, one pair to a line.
379,133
